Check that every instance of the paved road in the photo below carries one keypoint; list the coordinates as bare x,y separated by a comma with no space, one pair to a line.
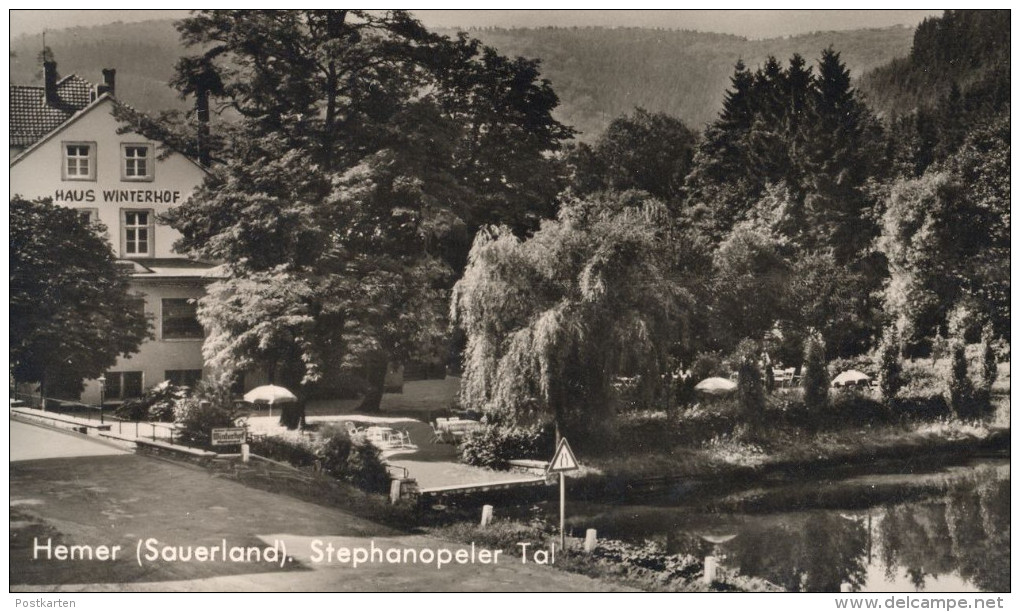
117,499
32,442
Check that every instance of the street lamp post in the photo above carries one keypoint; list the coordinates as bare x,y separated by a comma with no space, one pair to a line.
102,392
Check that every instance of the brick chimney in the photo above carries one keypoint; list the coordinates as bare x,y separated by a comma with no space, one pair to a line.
109,82
50,78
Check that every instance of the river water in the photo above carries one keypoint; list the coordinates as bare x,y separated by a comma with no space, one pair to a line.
944,529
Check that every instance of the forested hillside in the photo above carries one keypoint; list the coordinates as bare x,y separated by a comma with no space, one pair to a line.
955,82
965,50
597,73
601,73
143,54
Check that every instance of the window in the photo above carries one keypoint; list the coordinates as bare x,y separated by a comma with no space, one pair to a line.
123,385
136,233
180,320
184,378
88,215
79,162
137,303
136,162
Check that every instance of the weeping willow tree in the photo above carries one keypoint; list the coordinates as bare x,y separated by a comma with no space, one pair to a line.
554,320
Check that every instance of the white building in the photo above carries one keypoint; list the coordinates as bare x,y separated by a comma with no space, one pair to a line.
65,145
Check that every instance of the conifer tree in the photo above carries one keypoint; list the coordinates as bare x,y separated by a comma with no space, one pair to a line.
959,388
891,375
989,360
816,376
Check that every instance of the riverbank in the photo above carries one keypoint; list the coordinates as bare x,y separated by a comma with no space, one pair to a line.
646,568
728,462
817,525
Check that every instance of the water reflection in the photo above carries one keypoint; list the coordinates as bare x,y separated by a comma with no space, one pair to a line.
966,533
815,551
950,537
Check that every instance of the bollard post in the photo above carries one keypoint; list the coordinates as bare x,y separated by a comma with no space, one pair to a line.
136,429
153,431
245,452
171,437
486,515
395,490
711,568
590,538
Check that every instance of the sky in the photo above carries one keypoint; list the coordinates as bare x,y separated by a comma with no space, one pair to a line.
748,23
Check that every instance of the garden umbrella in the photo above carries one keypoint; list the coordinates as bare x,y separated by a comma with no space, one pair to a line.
269,394
715,386
850,377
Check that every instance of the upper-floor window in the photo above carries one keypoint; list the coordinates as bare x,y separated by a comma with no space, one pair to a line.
79,163
136,233
136,162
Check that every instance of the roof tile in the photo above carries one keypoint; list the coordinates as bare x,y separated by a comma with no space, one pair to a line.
31,118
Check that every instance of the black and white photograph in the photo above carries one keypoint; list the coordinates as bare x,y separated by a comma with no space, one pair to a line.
484,301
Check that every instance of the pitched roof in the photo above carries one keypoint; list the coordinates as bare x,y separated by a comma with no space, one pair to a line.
31,117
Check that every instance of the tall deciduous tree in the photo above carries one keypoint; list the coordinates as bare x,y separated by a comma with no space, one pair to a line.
367,152
647,151
946,238
72,315
553,320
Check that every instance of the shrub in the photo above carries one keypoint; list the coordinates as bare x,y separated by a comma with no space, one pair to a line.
292,415
989,361
750,387
706,365
921,396
158,403
816,377
365,468
276,448
211,407
851,407
959,388
890,378
495,445
355,461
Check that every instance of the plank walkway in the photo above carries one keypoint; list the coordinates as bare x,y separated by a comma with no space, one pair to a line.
481,487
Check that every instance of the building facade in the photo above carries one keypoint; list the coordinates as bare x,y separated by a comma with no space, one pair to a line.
66,145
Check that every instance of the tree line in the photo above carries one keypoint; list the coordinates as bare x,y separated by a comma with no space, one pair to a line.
378,173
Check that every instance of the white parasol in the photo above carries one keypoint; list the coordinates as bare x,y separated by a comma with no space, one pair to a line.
269,394
715,386
850,377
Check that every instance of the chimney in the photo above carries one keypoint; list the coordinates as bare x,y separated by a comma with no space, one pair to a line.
50,77
109,82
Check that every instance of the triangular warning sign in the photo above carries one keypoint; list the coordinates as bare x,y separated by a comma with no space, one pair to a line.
564,459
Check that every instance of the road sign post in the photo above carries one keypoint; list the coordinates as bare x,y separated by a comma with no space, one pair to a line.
563,461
